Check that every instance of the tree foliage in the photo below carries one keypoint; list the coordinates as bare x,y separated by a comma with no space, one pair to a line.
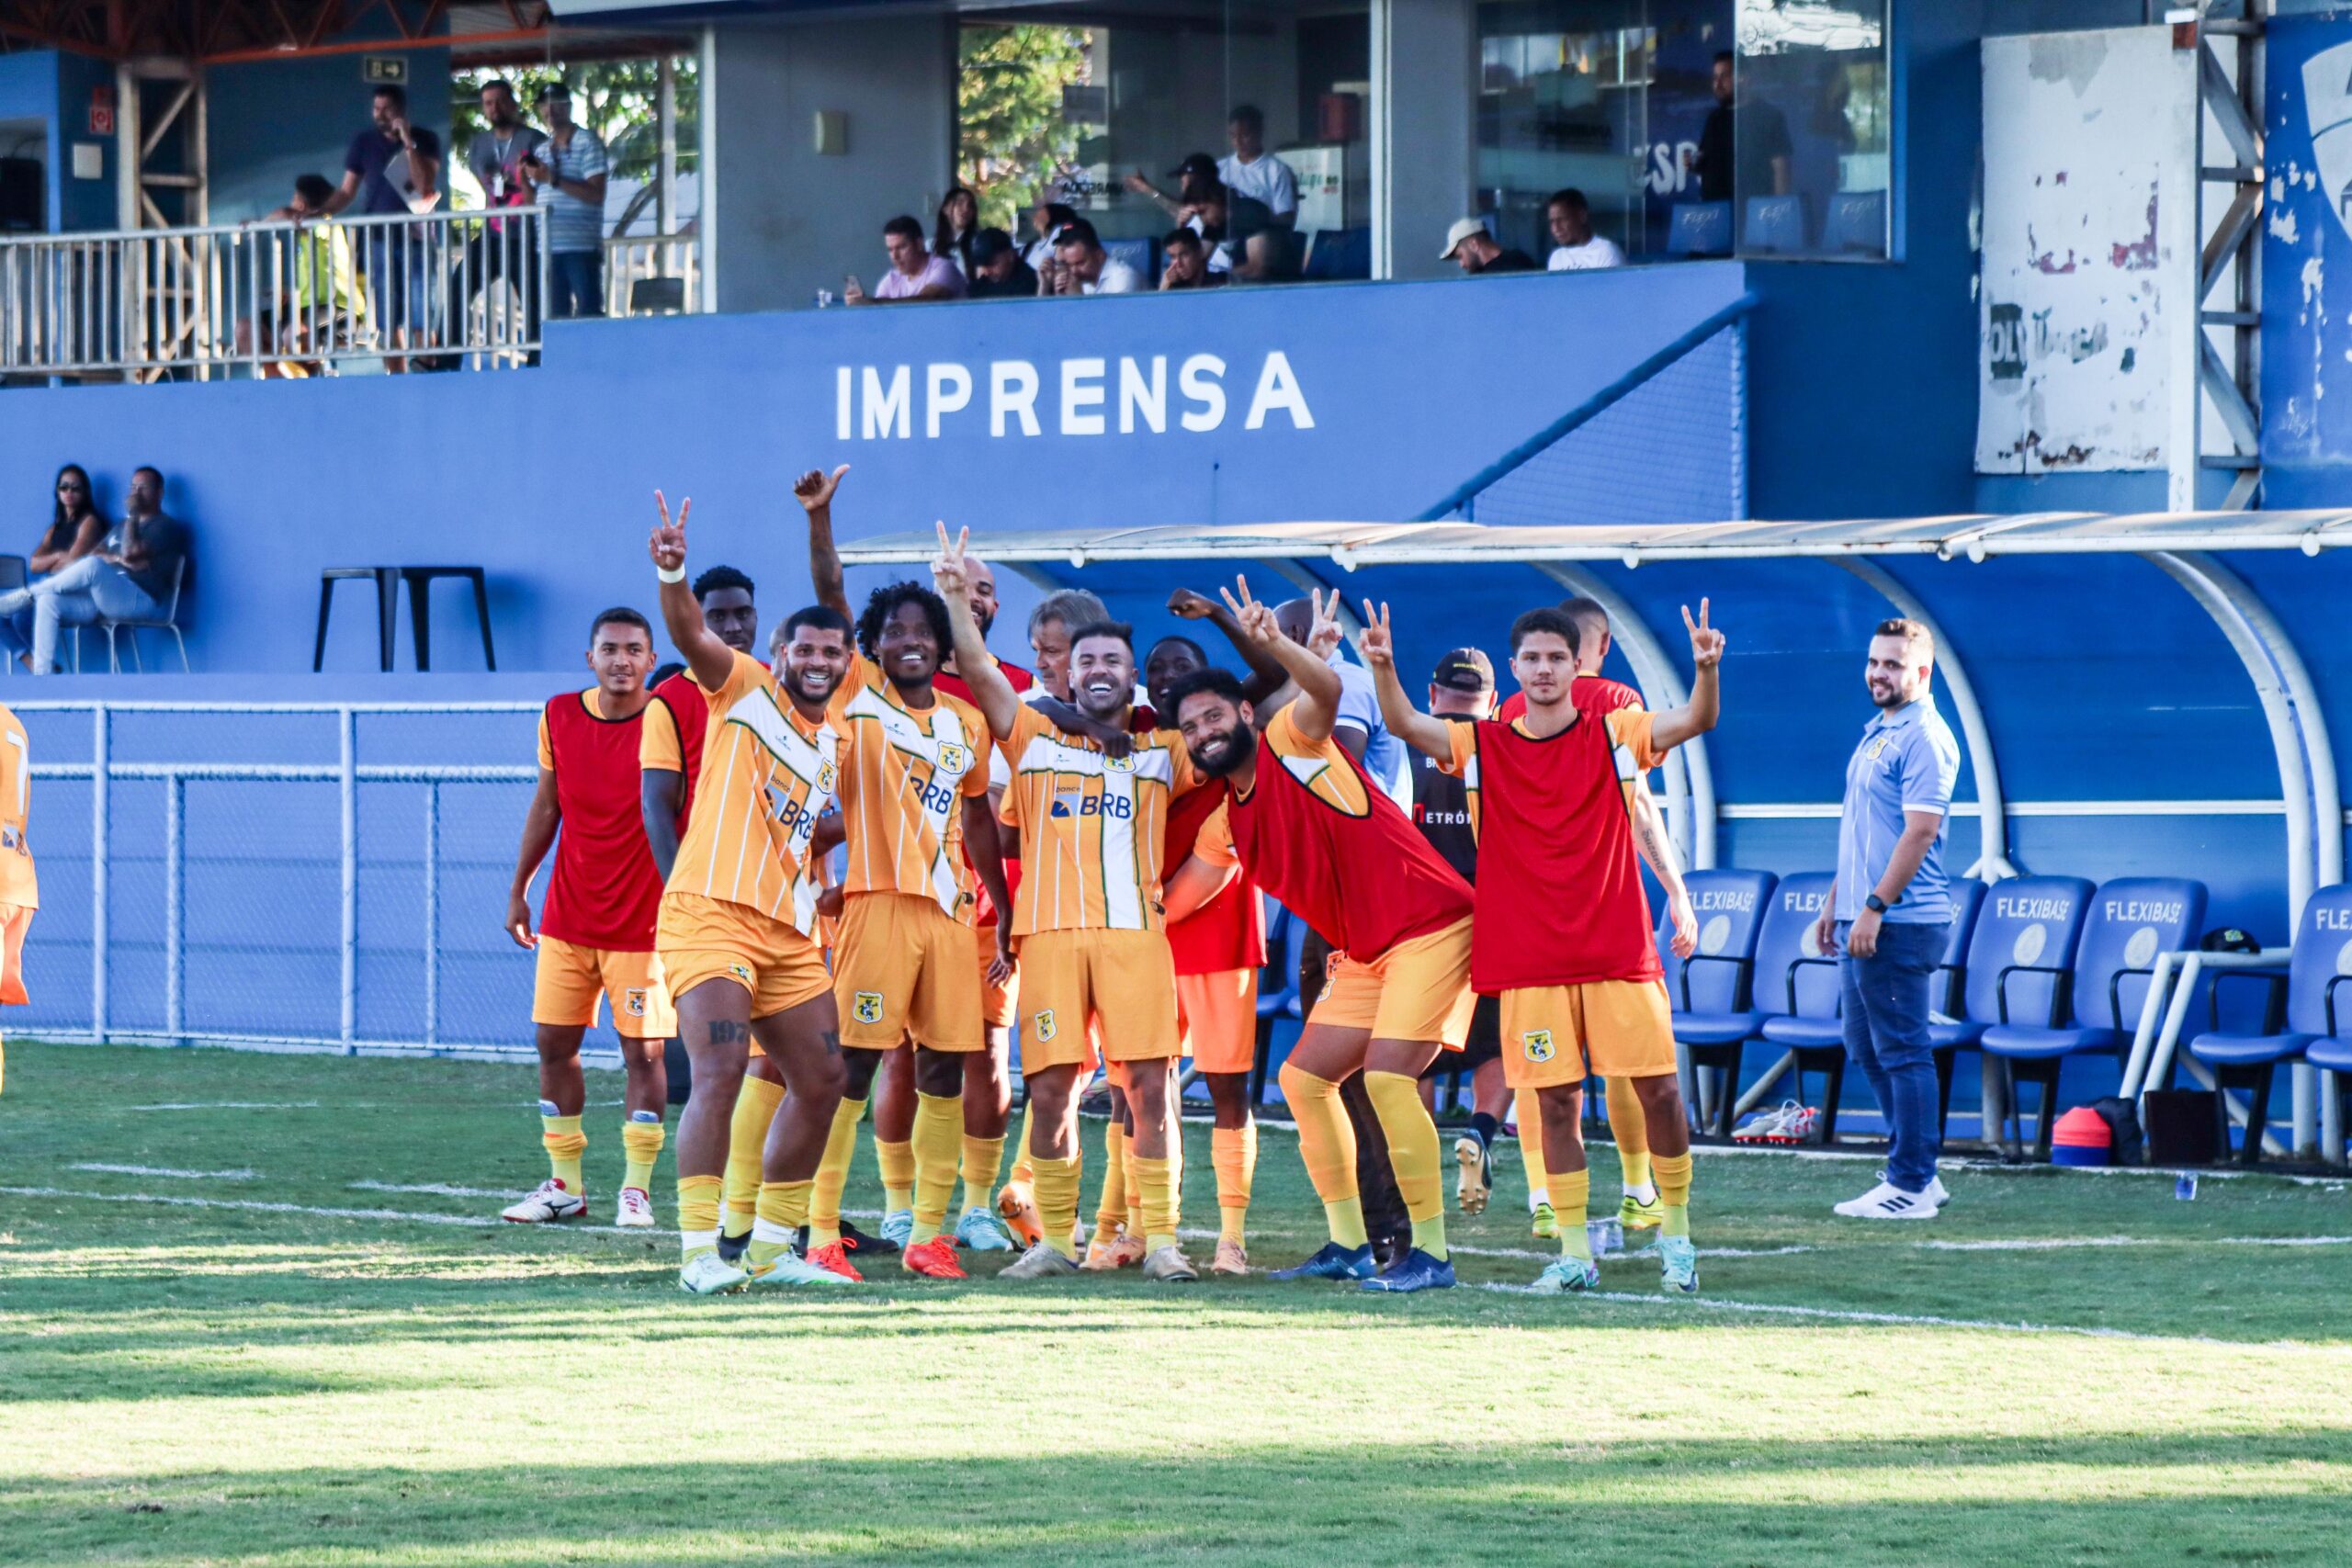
1012,140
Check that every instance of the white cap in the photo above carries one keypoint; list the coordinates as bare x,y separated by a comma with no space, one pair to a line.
1463,229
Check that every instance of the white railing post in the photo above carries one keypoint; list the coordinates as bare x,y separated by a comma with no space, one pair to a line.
99,850
348,781
174,904
432,912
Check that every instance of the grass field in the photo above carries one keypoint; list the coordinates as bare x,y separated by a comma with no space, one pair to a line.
276,1333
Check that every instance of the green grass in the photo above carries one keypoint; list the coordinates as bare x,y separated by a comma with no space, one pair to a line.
190,1385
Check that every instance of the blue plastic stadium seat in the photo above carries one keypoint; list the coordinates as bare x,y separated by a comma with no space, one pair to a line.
1700,229
1856,221
1334,254
1711,990
1775,223
1797,988
2318,1018
1715,1028
2026,920
1138,254
2128,921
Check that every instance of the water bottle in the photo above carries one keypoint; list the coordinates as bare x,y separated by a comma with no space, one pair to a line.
1605,1239
824,299
2184,1187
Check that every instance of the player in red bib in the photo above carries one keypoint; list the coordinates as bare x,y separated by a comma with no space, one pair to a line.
1308,824
595,940
1564,935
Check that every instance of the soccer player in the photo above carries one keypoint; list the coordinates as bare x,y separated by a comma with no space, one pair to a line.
19,890
1088,921
734,932
1565,938
914,796
1216,934
1598,695
595,941
1313,828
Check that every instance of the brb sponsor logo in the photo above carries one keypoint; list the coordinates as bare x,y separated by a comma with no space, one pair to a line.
1074,397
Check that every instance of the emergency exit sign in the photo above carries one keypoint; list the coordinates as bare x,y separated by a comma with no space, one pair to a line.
385,70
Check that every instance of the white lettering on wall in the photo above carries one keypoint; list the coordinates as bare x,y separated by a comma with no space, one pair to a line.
1012,385
841,403
1202,378
1081,389
887,410
1147,398
879,401
948,389
1277,389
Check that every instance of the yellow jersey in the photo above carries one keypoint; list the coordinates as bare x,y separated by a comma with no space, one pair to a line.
1092,827
767,775
17,885
905,773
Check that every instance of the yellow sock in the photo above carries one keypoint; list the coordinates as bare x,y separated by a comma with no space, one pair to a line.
1153,1181
833,1175
939,1129
1571,1196
983,1157
1112,1213
1529,1114
642,1139
1234,1152
1327,1145
747,1141
1023,1171
1134,1188
698,1213
564,1142
1412,1150
898,1162
1055,1183
783,1210
1630,1122
1673,1172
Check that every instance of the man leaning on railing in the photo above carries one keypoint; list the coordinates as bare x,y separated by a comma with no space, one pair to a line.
318,305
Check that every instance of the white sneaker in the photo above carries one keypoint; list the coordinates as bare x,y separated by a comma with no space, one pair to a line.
1169,1267
707,1274
1936,1191
1888,1202
1040,1262
787,1269
551,1201
636,1211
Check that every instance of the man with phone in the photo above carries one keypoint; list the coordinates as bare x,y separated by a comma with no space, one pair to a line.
914,274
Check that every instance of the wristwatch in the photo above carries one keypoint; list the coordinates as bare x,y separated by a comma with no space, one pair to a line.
1876,905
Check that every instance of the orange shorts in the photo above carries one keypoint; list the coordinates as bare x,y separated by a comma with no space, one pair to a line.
903,970
1549,1030
1218,1016
701,939
995,1001
1124,979
573,982
16,920
1418,990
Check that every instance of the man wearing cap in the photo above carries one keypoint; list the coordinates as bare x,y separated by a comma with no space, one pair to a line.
1083,267
997,271
1471,248
569,170
1463,686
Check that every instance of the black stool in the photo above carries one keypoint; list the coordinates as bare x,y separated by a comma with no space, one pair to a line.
388,580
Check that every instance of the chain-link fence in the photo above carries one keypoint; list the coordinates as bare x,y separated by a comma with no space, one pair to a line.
296,875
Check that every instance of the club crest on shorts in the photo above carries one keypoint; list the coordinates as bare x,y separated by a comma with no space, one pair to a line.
633,1001
1537,1044
1045,1025
741,972
867,1007
953,758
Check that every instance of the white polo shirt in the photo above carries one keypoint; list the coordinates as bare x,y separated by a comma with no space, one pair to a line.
1269,179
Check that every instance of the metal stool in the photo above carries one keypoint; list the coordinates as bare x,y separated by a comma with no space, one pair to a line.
388,580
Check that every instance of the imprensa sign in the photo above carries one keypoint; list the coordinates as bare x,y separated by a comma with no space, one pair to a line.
1086,395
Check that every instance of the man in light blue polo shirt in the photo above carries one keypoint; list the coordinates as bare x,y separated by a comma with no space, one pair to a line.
1889,915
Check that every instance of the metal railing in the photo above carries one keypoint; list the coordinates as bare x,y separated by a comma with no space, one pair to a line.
275,298
653,275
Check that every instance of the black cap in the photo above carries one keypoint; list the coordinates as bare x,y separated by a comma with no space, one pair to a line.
552,90
1199,163
1463,669
988,244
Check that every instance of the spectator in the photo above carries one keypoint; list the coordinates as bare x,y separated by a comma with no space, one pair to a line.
1082,267
1249,170
1470,247
1187,264
128,575
324,300
74,526
1730,161
569,170
497,154
914,273
997,271
954,227
1575,247
392,168
1057,616
1045,218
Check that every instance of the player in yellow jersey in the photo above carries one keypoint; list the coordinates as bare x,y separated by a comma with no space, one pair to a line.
737,916
20,891
914,790
1087,920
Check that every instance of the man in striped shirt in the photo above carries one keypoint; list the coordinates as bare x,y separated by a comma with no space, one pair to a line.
735,932
1088,919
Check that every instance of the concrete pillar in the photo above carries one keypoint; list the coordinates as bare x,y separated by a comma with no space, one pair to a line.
795,219
1424,131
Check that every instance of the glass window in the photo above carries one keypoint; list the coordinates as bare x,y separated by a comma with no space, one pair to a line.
1810,124
1245,123
1563,106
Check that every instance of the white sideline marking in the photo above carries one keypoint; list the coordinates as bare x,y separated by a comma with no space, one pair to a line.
2060,1244
255,1205
1894,1319
230,1105
439,1189
165,1170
